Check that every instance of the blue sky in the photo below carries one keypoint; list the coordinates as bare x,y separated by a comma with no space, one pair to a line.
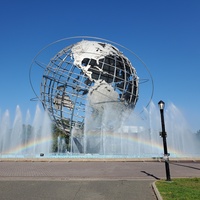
165,34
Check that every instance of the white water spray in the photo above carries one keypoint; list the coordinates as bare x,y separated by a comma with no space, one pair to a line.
25,139
138,135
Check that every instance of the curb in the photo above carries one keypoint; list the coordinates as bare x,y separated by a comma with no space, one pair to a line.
49,159
156,192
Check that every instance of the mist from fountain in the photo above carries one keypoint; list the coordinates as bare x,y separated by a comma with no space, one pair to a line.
25,139
138,135
62,146
135,135
5,133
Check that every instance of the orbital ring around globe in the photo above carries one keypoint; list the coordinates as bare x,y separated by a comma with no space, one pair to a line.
82,73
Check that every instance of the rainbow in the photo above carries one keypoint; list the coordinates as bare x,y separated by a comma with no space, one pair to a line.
28,145
130,138
141,141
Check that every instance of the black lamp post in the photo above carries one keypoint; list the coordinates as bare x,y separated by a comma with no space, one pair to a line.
163,134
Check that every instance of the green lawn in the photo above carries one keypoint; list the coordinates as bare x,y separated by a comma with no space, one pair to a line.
180,189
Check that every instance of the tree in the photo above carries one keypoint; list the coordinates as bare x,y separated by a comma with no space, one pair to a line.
56,132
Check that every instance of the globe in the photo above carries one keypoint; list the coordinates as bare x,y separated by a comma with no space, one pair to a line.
87,74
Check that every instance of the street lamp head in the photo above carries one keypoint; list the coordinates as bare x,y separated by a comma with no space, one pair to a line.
161,104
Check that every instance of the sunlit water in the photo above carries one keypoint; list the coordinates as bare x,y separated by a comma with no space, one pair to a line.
137,136
25,139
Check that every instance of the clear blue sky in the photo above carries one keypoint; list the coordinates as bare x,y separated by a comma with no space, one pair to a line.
165,34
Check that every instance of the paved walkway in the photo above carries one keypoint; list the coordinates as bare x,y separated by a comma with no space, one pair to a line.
86,180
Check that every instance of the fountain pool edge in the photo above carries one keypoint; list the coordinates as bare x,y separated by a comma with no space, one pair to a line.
40,159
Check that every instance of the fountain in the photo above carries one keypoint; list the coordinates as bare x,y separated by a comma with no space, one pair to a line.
137,137
25,140
90,89
92,92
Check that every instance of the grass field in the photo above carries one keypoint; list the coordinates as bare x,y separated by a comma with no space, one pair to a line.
180,189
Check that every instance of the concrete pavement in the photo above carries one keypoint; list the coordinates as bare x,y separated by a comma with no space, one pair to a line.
87,180
76,190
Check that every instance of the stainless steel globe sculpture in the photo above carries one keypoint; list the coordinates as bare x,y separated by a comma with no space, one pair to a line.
87,71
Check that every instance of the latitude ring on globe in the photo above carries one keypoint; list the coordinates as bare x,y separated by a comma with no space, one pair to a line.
89,73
